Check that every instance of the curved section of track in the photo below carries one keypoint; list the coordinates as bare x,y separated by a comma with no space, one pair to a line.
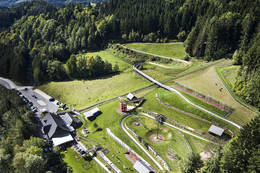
138,144
170,125
182,96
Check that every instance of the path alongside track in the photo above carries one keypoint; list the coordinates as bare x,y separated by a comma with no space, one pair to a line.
182,96
165,57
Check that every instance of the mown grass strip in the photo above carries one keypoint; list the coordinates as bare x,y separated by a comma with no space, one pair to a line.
229,88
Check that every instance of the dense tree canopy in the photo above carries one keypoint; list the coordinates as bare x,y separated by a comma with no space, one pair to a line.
20,150
240,155
36,44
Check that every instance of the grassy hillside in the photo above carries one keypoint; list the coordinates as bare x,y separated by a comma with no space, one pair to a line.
208,82
80,93
174,141
174,50
106,55
78,164
230,74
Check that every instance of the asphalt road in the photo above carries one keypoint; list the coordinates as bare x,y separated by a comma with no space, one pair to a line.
41,103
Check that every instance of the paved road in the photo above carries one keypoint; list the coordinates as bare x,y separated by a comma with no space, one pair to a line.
183,97
11,85
41,103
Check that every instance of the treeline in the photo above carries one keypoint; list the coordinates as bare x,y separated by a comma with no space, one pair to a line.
247,84
48,40
133,57
9,15
240,155
212,29
20,150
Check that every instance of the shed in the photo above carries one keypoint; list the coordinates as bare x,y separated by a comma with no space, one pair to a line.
141,167
91,115
216,130
130,96
59,140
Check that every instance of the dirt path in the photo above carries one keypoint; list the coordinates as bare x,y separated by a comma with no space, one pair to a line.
160,65
208,82
194,116
174,59
211,102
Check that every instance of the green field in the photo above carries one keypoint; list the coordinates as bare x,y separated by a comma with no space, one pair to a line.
175,100
110,118
81,93
208,82
174,50
174,140
175,69
229,73
106,55
80,165
205,105
152,104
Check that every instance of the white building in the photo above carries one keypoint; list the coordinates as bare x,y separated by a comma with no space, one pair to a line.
216,130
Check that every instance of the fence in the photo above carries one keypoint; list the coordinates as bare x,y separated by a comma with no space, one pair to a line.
125,146
223,105
112,165
150,149
115,98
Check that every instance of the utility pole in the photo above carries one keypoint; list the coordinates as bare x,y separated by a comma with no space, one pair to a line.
160,119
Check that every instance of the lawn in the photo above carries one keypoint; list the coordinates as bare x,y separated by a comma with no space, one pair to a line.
175,100
230,74
152,104
110,118
162,73
175,69
174,50
174,141
81,93
205,105
108,56
80,165
208,82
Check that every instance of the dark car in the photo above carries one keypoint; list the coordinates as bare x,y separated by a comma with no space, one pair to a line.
51,99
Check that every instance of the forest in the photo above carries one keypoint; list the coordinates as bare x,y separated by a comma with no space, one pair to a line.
35,41
241,154
40,43
20,148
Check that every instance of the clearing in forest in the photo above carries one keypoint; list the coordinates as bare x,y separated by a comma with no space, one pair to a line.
173,50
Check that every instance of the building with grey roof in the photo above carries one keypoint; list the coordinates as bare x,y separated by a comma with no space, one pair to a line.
55,128
141,167
92,114
130,96
216,130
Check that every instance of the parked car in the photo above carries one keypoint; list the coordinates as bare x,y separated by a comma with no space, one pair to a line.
51,99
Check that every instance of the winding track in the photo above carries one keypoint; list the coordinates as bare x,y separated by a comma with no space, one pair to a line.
142,148
182,96
137,143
